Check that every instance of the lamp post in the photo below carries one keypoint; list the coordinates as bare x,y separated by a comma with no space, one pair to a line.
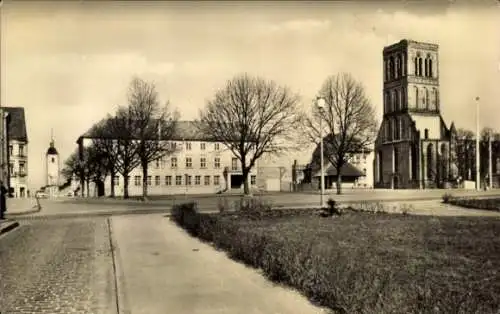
478,185
490,166
320,104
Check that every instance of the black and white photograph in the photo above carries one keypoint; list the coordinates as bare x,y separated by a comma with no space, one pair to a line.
249,157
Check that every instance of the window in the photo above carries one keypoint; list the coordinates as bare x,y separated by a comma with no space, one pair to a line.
173,161
137,180
188,146
420,66
168,180
203,162
21,150
396,160
416,97
253,179
216,180
207,180
52,160
148,180
11,150
188,180
157,161
430,68
427,103
189,162
22,168
364,170
234,163
393,100
387,104
202,146
426,133
178,180
117,180
173,145
197,180
157,180
216,146
217,163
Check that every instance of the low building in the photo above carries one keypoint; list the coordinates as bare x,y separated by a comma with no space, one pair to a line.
198,166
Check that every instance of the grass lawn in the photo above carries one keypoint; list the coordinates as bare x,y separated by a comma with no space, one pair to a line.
371,263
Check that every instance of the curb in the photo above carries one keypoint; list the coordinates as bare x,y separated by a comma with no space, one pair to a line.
8,226
35,209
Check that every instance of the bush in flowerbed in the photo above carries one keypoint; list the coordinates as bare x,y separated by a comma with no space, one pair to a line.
475,203
186,215
447,197
361,263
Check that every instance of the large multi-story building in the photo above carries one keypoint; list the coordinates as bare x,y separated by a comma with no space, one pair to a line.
17,151
412,148
198,166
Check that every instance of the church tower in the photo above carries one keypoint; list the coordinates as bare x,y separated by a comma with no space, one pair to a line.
413,141
52,164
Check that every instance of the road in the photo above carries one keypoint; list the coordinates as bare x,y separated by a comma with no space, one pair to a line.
57,266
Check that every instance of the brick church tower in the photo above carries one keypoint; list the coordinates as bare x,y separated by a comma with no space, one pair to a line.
412,148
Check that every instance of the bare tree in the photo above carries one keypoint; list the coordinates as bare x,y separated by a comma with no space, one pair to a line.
106,143
153,125
348,121
251,117
120,128
465,153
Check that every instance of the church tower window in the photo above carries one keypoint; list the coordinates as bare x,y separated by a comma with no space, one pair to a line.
419,66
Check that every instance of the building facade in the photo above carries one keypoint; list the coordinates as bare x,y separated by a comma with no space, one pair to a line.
198,166
17,152
52,170
414,147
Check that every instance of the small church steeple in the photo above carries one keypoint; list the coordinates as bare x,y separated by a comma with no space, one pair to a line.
52,167
52,149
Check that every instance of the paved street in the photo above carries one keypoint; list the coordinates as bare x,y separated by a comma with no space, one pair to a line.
57,266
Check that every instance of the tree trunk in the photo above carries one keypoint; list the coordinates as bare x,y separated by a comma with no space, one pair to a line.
125,185
112,190
144,165
246,188
88,189
339,182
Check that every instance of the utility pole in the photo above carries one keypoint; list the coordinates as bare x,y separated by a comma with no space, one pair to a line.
490,166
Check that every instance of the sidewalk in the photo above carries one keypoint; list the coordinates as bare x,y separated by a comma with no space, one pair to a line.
161,268
21,206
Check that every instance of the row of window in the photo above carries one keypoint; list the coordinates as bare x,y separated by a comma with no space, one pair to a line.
395,66
188,146
395,100
22,169
160,163
20,150
180,180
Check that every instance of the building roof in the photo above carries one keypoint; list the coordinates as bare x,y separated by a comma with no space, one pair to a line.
347,170
52,149
17,125
185,131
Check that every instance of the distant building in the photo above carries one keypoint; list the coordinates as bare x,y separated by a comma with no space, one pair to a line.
199,166
52,170
356,173
17,152
414,147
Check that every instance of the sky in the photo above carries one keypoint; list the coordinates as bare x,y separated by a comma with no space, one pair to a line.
69,64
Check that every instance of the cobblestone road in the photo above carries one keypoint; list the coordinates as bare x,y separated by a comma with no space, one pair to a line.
57,266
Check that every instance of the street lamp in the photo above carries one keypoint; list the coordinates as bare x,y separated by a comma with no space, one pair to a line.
320,104
478,187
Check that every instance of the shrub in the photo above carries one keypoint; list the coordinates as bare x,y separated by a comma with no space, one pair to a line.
186,215
447,197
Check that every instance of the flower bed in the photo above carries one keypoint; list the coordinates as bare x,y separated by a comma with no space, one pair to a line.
475,203
364,263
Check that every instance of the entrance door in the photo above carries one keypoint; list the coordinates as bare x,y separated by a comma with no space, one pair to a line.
396,182
22,192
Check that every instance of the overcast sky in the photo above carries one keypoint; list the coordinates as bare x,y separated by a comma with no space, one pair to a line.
69,65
